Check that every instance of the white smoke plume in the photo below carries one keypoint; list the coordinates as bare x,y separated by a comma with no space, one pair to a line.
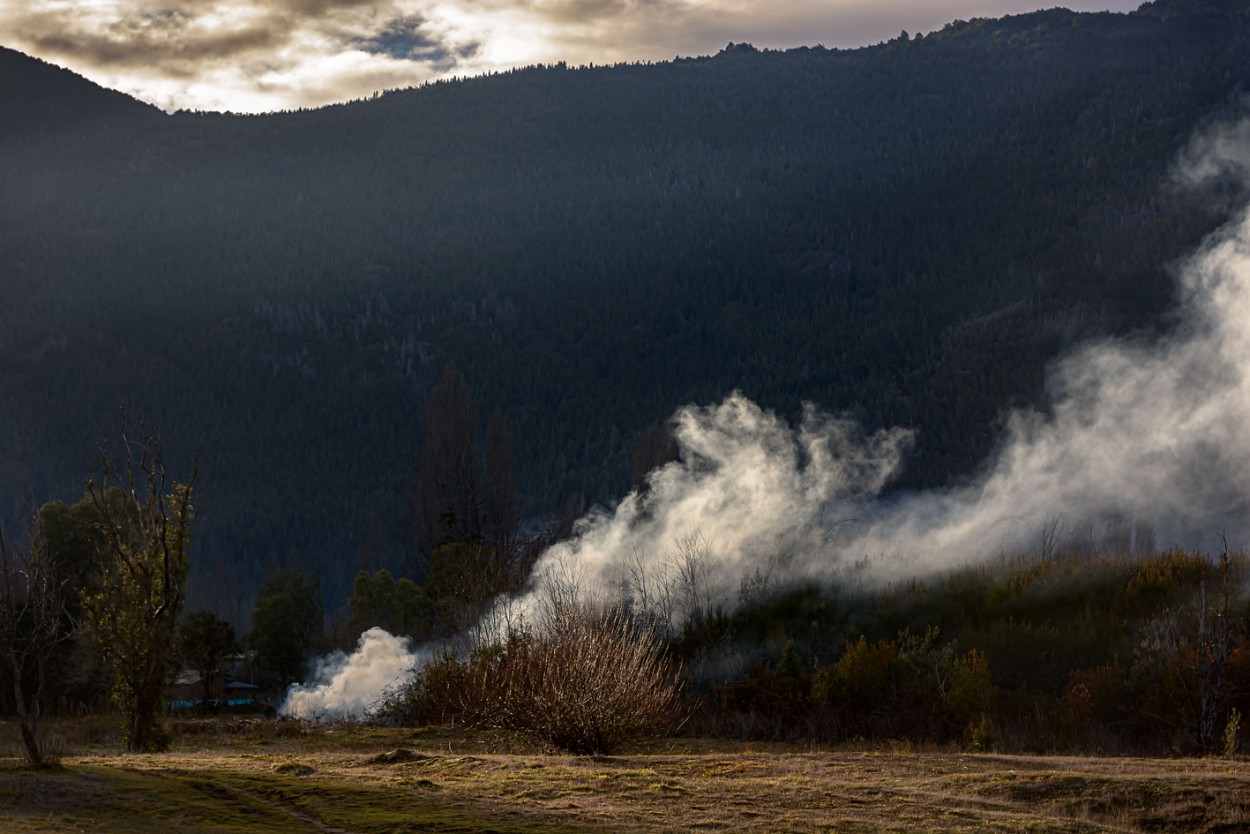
749,497
1143,443
344,687
1155,430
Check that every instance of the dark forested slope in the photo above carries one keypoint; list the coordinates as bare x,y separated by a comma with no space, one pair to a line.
907,232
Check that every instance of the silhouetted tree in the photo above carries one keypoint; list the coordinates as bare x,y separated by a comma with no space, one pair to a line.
399,606
653,448
444,498
206,640
32,622
499,511
286,622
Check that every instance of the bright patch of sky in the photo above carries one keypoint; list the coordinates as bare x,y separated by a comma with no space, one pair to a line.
260,55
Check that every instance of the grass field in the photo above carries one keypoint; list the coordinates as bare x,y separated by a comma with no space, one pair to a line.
256,776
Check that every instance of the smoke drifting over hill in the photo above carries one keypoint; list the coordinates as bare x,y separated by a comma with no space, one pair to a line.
1144,442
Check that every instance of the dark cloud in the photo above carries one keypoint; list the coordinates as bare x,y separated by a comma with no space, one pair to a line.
167,41
307,8
583,11
409,38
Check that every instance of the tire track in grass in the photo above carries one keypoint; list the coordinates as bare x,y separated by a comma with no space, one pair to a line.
235,794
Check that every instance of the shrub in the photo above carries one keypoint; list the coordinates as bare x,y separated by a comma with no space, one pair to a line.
586,683
863,671
970,691
981,734
589,683
1231,729
435,693
1093,695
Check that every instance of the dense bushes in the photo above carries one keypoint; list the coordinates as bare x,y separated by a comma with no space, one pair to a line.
1075,654
1080,653
907,687
583,683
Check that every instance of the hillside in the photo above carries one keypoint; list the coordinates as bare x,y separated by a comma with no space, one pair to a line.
907,232
37,98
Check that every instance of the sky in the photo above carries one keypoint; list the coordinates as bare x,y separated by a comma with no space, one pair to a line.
264,55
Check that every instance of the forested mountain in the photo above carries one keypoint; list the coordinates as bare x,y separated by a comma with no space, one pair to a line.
907,232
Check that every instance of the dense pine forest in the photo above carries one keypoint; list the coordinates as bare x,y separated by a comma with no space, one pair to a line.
906,233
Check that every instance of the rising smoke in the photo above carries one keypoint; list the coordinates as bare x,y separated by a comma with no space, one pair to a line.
347,686
1143,443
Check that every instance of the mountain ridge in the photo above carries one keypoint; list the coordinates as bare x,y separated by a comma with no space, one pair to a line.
36,94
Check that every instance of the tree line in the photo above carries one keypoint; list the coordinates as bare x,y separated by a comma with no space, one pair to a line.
1084,645
93,594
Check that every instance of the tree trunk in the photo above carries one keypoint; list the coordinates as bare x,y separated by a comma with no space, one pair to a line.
27,722
33,754
138,732
207,692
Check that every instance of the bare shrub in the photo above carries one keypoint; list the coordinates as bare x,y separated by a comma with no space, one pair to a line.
585,683
589,683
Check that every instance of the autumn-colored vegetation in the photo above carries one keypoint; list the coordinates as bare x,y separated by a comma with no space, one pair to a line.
1076,653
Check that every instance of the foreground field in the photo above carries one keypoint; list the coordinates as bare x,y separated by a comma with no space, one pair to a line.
282,777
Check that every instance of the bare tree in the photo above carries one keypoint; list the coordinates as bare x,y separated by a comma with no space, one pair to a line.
133,615
1050,536
33,620
653,448
652,591
1117,537
1215,645
1144,543
692,560
674,589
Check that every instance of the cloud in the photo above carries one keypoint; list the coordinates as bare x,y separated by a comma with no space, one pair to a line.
748,495
245,55
1142,443
171,41
251,55
1217,155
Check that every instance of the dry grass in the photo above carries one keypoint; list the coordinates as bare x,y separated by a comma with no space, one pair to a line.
366,780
